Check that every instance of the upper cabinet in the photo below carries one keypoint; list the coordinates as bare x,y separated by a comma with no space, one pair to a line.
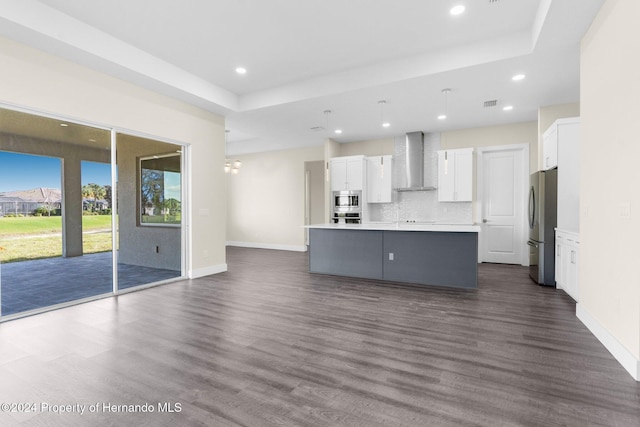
455,175
347,173
379,173
550,148
567,137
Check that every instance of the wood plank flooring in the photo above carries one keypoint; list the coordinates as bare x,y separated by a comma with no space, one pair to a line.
267,343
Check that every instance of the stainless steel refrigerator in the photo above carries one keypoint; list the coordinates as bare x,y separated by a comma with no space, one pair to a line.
543,214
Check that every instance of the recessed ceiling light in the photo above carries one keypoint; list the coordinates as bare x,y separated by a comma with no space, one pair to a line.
442,116
508,108
518,77
338,131
457,10
64,125
386,124
241,70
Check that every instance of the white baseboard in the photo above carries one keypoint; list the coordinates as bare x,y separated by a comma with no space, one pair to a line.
294,248
622,355
207,271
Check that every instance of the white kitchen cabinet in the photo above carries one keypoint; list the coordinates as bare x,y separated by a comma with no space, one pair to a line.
338,170
561,137
550,148
347,173
379,173
567,262
568,131
455,175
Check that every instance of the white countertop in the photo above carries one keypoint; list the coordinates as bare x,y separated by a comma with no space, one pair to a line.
389,226
572,234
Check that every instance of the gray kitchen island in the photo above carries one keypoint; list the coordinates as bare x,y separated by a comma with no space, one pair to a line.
428,254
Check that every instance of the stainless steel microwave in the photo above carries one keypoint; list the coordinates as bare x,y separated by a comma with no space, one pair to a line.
347,200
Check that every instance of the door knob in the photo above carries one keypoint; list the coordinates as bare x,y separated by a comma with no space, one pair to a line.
485,220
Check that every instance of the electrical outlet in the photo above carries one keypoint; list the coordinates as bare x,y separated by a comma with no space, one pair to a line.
390,256
625,210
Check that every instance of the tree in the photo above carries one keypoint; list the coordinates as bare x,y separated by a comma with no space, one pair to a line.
152,190
95,192
108,196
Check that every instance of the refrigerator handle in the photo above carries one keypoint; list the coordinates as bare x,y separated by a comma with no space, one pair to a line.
532,207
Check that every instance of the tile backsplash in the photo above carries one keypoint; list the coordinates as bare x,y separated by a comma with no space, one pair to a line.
419,206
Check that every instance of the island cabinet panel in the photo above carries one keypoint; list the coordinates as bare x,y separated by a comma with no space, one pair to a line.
438,258
435,258
354,253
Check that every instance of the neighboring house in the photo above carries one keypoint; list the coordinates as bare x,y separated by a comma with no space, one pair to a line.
25,202
89,204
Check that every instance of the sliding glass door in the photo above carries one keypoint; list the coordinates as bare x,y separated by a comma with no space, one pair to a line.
149,211
64,201
55,240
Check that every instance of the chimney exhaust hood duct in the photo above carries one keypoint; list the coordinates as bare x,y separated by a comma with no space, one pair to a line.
414,165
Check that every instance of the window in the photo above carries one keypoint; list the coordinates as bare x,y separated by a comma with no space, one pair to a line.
160,190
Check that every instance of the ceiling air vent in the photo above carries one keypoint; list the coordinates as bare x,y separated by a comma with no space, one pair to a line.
491,103
494,1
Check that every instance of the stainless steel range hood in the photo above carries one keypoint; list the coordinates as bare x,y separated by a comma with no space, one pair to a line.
414,163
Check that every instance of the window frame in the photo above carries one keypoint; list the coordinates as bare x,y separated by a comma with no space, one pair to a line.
139,189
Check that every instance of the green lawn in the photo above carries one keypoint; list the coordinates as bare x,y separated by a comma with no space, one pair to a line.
48,224
30,225
161,219
17,244
96,222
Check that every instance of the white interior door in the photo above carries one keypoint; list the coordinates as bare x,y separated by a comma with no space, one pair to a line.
502,174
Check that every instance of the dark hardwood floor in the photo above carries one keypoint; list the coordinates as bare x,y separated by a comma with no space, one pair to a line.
267,343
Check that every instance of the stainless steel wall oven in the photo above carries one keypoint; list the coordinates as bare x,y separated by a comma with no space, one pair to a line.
346,207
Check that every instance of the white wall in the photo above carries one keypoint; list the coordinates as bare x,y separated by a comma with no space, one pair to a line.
516,133
266,199
609,300
40,81
373,147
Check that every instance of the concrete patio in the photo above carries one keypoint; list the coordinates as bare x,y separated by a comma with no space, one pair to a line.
31,285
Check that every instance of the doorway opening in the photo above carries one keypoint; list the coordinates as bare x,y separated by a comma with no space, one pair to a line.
314,206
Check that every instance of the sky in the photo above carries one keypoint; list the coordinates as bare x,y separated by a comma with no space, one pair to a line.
172,185
25,172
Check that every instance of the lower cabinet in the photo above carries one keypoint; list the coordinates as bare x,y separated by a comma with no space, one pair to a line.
567,262
438,258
